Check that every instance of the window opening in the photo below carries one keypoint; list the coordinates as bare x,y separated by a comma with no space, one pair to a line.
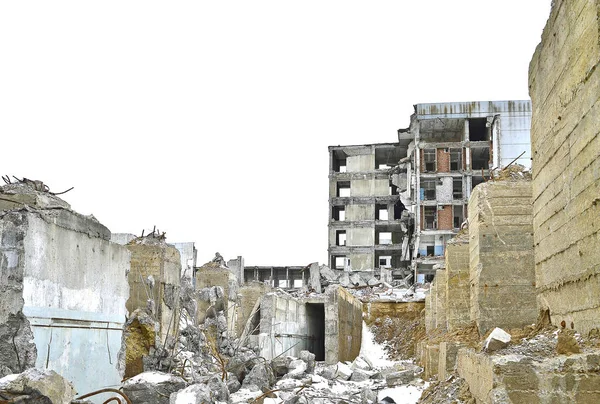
458,216
457,188
381,212
478,130
430,217
338,213
429,159
455,159
428,190
340,237
343,189
480,157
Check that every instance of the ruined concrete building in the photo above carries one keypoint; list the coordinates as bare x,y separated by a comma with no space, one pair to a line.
64,288
394,206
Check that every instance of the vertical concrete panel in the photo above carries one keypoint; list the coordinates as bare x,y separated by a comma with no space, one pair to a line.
564,84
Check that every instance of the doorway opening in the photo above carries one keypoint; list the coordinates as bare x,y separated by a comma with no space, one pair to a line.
315,319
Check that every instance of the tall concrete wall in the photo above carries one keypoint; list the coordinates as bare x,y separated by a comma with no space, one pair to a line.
155,274
564,86
440,299
211,275
502,273
457,284
346,311
73,290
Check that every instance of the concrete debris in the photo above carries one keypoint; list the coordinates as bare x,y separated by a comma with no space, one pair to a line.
497,339
36,386
397,378
343,371
152,387
566,343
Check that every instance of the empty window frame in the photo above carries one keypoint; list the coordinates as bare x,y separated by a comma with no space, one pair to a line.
478,130
429,160
340,237
385,261
430,217
430,250
480,157
343,189
340,261
338,213
455,159
428,187
458,216
384,237
381,212
338,161
457,188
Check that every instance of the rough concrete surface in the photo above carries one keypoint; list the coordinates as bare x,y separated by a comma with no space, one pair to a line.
502,273
564,84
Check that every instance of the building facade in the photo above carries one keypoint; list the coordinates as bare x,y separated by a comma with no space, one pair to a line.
394,206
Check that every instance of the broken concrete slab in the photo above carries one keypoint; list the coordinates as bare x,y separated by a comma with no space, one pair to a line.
152,387
35,385
497,339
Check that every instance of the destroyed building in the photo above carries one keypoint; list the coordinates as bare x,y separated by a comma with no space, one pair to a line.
64,288
395,206
369,228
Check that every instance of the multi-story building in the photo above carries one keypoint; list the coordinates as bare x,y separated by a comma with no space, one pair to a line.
376,190
369,227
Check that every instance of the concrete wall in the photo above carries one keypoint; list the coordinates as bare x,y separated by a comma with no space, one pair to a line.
519,379
211,275
440,299
361,163
74,292
345,310
155,274
369,187
250,293
564,86
285,325
188,255
284,316
457,284
502,274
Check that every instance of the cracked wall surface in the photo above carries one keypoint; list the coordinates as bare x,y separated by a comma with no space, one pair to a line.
564,84
502,274
70,281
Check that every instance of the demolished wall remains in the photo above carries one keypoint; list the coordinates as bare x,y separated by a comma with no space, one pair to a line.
70,281
502,272
564,85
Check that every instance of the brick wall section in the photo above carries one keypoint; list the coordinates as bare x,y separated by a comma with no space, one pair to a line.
457,284
443,161
502,270
564,84
445,218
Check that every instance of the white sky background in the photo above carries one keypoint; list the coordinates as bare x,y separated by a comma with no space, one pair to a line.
211,119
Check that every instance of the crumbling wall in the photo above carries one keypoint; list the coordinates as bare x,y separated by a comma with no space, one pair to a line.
441,300
519,379
564,85
502,272
282,326
155,274
17,350
250,293
349,326
222,282
70,281
457,283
